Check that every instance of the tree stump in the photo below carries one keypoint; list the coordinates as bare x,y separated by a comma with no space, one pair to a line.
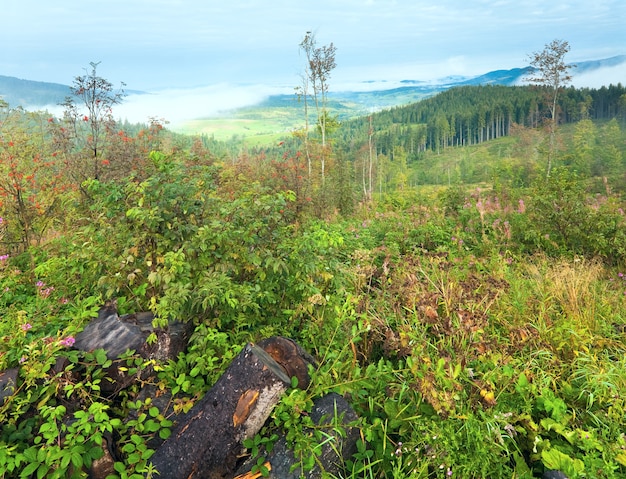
207,441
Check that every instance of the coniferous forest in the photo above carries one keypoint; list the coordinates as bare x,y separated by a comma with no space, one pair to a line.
456,266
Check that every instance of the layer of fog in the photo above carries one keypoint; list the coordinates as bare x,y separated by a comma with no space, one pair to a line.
177,106
601,77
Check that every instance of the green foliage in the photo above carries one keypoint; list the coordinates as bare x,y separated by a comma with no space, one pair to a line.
563,219
477,330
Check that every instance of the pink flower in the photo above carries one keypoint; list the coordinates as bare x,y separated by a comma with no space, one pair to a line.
45,292
69,341
26,327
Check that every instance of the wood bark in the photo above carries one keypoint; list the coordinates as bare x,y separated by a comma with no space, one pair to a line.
207,441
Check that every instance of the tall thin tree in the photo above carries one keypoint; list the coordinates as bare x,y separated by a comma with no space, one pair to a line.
320,64
550,72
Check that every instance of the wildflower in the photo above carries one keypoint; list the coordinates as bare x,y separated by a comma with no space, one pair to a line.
449,472
4,257
398,451
22,360
1,220
69,341
45,292
40,284
26,327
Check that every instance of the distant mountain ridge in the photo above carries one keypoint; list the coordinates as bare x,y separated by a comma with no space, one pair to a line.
27,93
37,94
415,90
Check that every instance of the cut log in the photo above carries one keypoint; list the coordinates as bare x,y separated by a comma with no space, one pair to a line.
333,411
206,442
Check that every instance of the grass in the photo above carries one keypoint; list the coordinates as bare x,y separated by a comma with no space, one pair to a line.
255,125
264,124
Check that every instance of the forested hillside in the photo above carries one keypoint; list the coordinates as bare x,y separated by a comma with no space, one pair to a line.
18,92
455,267
473,114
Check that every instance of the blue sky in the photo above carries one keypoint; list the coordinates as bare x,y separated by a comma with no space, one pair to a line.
157,45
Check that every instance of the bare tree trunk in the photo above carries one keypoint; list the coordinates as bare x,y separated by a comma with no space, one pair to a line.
371,159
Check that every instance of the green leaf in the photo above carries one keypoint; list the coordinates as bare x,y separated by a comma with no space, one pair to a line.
558,461
30,469
101,356
65,461
77,460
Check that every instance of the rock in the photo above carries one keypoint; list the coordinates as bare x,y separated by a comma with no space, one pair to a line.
8,380
331,410
108,332
105,466
554,475
118,334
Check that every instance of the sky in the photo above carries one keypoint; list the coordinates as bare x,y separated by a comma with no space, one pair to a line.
196,57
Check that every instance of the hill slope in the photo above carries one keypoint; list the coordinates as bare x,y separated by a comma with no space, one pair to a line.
28,93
